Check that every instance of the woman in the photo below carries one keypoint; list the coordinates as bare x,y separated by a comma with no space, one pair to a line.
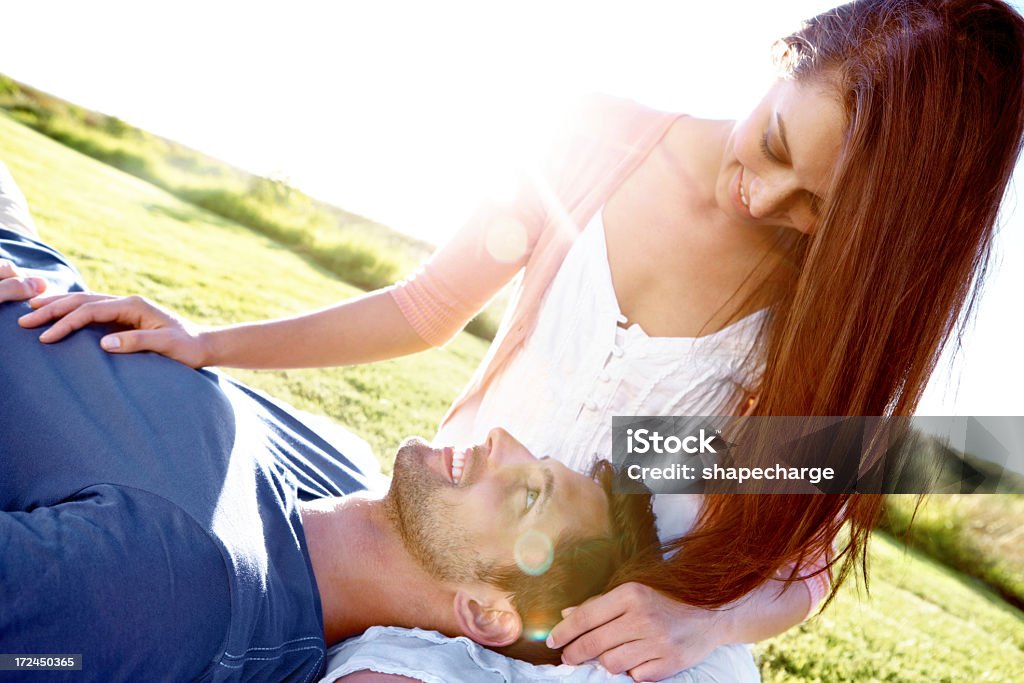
812,259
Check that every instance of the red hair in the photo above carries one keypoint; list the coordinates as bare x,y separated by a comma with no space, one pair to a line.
933,93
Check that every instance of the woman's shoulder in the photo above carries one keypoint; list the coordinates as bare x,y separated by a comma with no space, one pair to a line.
601,113
598,133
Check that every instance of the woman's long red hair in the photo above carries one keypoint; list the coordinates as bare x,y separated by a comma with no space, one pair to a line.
933,91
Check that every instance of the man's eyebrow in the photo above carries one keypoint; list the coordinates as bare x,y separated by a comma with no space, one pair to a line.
547,491
782,134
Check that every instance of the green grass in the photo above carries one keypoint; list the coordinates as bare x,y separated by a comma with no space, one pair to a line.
980,535
922,623
361,252
128,236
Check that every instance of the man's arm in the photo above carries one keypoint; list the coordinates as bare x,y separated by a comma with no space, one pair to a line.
117,576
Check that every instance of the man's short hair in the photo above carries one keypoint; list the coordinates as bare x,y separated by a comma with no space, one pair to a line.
581,568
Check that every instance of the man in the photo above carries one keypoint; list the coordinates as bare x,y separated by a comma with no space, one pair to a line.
171,524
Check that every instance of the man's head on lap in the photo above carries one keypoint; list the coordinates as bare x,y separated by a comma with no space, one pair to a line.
515,537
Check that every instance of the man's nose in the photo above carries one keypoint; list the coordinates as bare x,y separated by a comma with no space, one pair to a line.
503,448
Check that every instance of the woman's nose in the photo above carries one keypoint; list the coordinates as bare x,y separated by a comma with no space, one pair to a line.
770,197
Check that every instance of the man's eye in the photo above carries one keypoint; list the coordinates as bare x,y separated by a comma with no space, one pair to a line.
531,498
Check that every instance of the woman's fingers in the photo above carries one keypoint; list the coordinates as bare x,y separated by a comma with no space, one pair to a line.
635,628
8,269
14,286
21,288
123,311
172,341
82,314
51,308
626,657
590,615
153,329
597,643
653,670
41,301
160,341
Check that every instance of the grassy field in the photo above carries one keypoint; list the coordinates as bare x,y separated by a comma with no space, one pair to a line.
357,250
922,622
979,535
128,236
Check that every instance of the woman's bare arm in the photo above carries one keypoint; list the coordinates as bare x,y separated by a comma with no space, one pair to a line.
426,310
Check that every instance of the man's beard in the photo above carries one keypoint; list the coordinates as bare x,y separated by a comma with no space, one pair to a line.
428,525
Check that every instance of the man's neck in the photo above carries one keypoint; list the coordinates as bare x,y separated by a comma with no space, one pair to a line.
364,574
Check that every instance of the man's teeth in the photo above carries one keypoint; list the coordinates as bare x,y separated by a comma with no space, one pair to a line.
743,197
458,463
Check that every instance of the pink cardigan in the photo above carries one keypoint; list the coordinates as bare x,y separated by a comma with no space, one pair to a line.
606,140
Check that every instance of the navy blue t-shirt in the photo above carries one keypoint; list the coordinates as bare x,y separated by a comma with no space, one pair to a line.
148,513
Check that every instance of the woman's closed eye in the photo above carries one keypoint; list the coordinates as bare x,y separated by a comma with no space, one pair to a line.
813,202
765,149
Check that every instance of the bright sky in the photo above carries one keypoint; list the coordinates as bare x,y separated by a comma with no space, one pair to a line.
409,112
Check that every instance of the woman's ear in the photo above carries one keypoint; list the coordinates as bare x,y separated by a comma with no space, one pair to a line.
487,616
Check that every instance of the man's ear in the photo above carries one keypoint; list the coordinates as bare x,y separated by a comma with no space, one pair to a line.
487,616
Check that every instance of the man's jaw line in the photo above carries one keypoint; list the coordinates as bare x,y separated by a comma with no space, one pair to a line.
375,581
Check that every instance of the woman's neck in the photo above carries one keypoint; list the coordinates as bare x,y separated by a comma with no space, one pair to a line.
696,270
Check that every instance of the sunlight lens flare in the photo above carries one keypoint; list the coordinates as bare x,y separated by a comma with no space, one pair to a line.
534,552
506,240
538,635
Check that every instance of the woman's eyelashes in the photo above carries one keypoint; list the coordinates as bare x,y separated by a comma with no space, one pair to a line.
813,202
765,149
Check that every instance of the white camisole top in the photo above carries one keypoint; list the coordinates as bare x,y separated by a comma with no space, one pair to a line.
580,366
